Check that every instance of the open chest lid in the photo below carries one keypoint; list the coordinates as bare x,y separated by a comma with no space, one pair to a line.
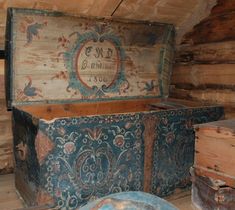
57,58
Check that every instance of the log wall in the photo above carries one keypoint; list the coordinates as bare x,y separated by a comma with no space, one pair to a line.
6,160
182,15
205,60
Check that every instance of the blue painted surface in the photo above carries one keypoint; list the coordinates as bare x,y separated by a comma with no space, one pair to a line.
173,152
99,155
106,157
129,201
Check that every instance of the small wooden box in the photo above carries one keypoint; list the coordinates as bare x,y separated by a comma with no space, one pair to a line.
211,194
215,150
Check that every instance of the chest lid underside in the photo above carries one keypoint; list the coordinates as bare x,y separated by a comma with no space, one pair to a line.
57,58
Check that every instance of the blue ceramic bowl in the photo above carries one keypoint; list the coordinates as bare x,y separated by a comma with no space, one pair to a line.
129,201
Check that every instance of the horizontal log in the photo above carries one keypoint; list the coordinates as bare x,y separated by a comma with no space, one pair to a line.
219,52
229,112
223,6
209,95
219,76
215,28
221,97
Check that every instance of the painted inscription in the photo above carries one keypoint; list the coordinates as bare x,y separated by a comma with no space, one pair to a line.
97,63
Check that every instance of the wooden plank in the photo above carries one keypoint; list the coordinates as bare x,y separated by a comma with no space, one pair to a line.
181,199
220,52
6,142
211,97
215,149
2,64
2,85
2,27
219,76
208,95
223,6
213,29
8,196
6,154
156,10
87,7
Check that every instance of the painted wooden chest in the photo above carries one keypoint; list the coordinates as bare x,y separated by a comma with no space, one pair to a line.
215,151
90,110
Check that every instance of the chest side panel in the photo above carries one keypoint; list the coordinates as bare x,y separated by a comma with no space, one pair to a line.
57,58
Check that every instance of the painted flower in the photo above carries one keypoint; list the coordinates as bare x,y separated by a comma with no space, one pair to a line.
58,192
170,137
69,148
119,141
128,125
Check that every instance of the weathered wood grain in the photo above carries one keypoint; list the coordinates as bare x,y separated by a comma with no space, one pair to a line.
2,85
208,95
8,195
51,111
223,6
212,53
88,7
215,149
139,10
85,59
205,62
218,76
6,140
182,15
213,29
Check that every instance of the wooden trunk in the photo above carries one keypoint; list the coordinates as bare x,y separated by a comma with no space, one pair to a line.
210,194
64,153
90,110
215,151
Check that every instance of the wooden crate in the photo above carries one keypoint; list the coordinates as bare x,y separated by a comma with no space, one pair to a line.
215,150
90,108
211,194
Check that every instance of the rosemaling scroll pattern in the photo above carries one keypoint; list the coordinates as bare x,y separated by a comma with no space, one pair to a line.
98,159
97,49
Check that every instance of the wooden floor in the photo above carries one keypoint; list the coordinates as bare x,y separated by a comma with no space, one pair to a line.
9,200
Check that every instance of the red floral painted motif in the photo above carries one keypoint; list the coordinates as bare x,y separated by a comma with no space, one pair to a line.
69,148
119,141
43,146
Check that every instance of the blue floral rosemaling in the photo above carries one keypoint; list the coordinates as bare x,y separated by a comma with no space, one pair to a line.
93,157
173,152
100,155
